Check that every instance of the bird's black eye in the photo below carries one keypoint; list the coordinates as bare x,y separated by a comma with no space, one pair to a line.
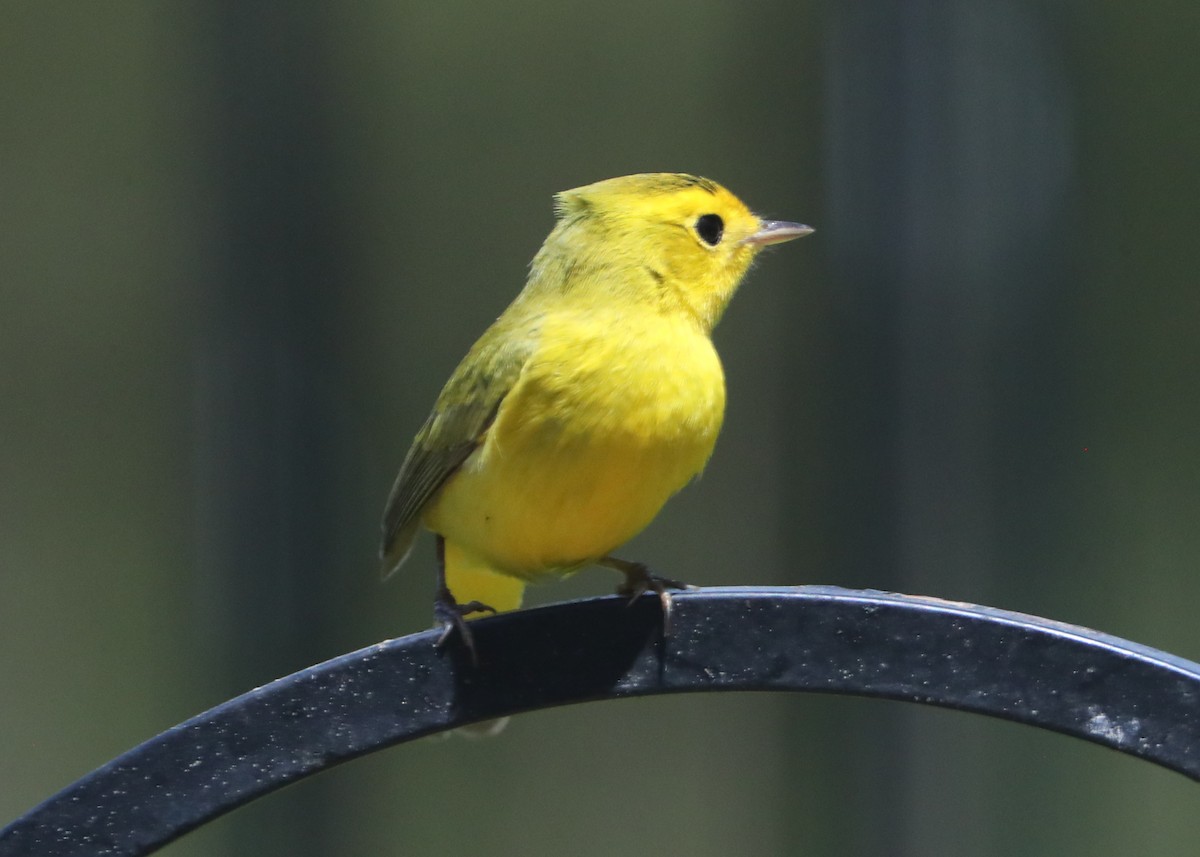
710,228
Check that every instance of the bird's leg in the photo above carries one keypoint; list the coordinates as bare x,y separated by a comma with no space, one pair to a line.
639,579
448,613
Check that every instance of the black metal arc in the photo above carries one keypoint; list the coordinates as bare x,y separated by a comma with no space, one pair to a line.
1073,680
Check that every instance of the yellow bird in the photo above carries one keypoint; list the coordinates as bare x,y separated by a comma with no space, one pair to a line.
589,402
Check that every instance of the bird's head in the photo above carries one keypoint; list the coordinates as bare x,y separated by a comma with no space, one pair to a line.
682,240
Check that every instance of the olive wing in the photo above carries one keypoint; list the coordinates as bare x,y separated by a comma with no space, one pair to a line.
458,424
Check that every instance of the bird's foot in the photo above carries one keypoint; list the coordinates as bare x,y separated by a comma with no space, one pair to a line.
451,616
640,580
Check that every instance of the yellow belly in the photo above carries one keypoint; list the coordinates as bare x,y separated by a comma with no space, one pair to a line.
607,421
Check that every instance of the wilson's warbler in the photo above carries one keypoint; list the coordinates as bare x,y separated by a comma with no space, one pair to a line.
590,401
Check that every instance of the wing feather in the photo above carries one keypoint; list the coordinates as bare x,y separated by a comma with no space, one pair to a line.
459,423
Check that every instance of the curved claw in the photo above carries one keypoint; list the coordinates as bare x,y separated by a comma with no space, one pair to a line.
451,616
640,580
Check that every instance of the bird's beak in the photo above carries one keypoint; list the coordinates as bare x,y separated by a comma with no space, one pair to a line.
777,231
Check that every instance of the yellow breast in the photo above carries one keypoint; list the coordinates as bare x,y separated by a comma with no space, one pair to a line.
610,417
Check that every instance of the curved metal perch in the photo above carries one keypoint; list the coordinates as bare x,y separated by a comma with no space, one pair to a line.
1069,679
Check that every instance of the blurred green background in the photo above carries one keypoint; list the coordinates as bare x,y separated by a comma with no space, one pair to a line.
243,244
